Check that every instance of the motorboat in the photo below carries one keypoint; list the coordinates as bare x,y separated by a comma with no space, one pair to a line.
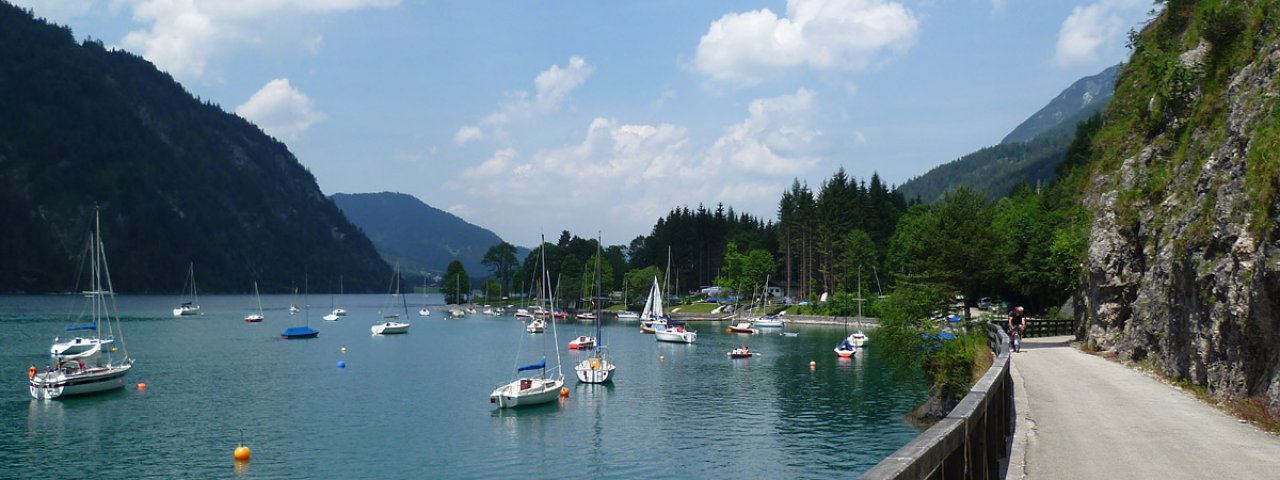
389,328
858,339
538,325
628,316
585,316
87,364
675,334
741,327
768,321
523,313
582,343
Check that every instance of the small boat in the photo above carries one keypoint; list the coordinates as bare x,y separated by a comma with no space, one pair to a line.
845,349
597,368
790,334
741,352
769,321
675,333
582,343
741,327
536,326
532,390
305,331
255,317
339,311
423,312
391,323
191,305
78,365
628,316
585,316
332,317
522,313
858,339
457,313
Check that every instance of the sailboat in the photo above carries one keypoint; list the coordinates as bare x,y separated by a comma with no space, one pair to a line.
341,312
849,346
626,315
255,317
304,331
539,389
190,304
597,368
78,364
422,312
293,307
390,323
652,317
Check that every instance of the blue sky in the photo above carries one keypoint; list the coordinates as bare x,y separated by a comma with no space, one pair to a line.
528,117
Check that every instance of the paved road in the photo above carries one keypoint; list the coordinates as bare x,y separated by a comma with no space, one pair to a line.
1080,416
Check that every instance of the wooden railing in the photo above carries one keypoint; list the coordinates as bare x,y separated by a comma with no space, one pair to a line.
972,439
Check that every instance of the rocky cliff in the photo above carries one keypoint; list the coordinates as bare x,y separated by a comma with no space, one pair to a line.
1182,271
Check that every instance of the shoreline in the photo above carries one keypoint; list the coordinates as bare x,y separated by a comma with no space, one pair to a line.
860,322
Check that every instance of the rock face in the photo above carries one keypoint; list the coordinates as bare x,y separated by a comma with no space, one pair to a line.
1183,265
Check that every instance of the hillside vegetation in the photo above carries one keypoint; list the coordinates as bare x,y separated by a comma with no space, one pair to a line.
177,180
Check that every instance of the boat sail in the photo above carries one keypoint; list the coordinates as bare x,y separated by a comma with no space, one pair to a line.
539,389
190,303
424,311
597,368
339,311
255,317
652,316
390,323
87,364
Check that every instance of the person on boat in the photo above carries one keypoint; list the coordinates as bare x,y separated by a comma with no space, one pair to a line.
1018,320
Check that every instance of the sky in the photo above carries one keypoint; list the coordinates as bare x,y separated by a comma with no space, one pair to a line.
533,117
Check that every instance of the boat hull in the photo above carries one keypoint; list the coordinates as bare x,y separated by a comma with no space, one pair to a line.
255,318
767,322
57,384
183,312
671,336
595,370
526,391
389,328
845,353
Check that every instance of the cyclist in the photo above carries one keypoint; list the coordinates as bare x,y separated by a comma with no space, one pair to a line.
1017,326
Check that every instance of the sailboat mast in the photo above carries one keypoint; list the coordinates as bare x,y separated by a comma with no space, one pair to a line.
599,294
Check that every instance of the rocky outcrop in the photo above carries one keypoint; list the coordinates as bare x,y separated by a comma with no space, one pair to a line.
1183,266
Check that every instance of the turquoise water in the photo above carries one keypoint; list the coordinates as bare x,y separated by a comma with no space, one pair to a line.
416,405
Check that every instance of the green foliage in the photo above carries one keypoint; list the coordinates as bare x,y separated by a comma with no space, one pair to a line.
696,239
177,180
639,282
501,261
569,281
742,273
456,285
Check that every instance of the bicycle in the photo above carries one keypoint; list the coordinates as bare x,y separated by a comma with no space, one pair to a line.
1016,332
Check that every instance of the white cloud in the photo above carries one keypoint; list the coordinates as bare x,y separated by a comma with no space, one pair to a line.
182,36
467,134
553,86
281,110
773,140
1093,27
849,35
998,6
621,175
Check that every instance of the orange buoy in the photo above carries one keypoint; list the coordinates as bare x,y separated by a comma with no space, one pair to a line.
242,452
31,372
564,392
142,386
813,364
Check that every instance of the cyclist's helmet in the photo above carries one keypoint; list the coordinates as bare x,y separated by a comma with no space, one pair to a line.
1018,310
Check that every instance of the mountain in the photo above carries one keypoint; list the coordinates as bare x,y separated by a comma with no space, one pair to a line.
176,179
419,236
997,169
1181,194
1077,103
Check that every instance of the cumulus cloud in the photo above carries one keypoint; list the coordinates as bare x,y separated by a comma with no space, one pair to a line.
280,110
467,134
1091,28
634,173
773,139
552,85
850,35
183,35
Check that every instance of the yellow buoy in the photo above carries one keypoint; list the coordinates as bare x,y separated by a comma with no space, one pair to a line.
344,349
564,392
242,452
142,386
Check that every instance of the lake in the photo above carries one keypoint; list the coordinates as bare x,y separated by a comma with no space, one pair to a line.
416,405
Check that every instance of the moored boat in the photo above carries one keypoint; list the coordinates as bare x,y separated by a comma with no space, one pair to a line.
741,327
582,343
191,297
390,323
255,317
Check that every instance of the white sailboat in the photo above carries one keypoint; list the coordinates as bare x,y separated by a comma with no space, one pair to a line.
87,364
597,368
255,317
390,323
424,311
664,328
190,303
652,317
539,389
339,311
